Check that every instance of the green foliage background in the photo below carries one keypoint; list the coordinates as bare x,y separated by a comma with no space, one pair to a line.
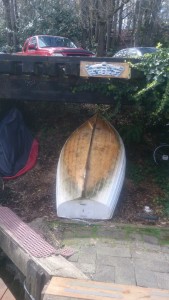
141,104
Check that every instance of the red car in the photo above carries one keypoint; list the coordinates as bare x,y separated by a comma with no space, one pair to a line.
48,45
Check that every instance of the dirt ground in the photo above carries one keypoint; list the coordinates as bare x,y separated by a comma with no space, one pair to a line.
32,195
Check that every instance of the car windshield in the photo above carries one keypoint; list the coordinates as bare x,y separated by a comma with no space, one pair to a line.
55,41
148,50
133,52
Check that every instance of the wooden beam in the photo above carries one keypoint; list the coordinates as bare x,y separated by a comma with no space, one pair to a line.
73,289
34,88
51,66
37,78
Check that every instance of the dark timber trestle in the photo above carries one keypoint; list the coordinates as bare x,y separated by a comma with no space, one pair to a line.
37,78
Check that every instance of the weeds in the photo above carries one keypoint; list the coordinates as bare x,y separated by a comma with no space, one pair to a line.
135,172
160,176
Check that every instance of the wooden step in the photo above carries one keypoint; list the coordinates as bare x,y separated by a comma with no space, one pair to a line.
75,289
5,293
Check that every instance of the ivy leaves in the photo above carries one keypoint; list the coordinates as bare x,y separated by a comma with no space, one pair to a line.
156,70
155,66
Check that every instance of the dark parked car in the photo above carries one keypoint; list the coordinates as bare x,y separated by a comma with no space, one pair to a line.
134,52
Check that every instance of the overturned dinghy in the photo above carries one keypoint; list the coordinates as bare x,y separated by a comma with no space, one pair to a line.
90,172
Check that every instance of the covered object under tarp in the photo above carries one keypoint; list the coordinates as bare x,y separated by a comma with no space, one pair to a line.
18,148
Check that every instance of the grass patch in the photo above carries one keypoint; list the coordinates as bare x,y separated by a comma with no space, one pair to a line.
161,234
80,231
74,230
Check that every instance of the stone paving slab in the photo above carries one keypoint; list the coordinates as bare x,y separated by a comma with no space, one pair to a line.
145,255
139,260
125,275
165,249
117,251
131,263
153,265
162,280
145,278
150,239
145,246
113,261
86,268
87,258
106,272
74,257
166,255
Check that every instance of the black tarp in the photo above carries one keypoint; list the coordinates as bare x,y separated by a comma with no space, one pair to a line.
16,143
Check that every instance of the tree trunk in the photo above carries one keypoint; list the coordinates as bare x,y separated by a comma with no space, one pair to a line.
110,11
101,38
114,30
14,24
108,39
146,13
151,22
11,16
6,4
120,25
84,16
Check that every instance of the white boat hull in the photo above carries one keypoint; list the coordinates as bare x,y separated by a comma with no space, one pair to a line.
100,202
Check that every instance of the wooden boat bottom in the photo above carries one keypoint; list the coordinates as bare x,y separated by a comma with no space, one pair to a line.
90,172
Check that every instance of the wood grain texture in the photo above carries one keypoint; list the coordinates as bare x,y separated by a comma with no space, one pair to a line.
90,171
5,294
66,288
3,288
89,156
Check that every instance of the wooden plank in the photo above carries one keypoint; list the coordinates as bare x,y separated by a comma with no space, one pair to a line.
105,69
3,288
66,289
46,65
8,296
36,88
5,293
37,78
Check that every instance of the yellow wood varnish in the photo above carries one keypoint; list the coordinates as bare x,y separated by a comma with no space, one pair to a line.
89,157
